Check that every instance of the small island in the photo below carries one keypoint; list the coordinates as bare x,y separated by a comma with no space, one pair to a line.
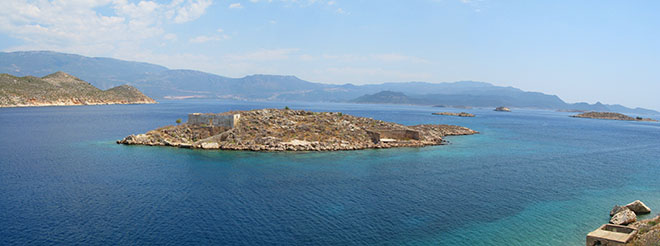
611,116
292,130
61,89
461,114
503,109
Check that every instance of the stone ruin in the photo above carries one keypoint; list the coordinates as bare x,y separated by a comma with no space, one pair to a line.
214,120
611,235
385,135
619,231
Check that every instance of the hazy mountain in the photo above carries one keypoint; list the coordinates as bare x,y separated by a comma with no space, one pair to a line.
521,99
161,82
386,97
103,73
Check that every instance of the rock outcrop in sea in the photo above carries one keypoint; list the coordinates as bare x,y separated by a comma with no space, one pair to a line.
503,109
294,130
638,207
623,217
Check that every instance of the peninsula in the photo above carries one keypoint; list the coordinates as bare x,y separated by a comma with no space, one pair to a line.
60,89
611,116
292,130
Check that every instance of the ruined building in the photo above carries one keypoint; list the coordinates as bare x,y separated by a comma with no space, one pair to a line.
214,120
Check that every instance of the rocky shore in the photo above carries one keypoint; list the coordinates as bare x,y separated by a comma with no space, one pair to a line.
611,116
297,130
648,232
625,229
461,114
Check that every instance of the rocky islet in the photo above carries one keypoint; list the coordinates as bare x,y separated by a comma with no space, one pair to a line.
611,116
461,114
297,130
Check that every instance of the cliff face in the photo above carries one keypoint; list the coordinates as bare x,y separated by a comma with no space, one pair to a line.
62,89
296,130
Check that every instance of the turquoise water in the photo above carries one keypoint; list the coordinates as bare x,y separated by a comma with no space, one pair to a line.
530,178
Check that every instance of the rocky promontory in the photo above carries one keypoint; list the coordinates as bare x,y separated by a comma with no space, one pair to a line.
292,130
61,89
461,114
611,116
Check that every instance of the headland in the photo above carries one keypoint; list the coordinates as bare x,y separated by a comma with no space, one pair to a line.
61,89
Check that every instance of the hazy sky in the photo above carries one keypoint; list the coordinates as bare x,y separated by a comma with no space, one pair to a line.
580,50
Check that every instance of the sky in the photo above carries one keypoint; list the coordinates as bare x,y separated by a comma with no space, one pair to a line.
607,51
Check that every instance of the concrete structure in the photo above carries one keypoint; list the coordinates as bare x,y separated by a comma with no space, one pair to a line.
611,235
215,120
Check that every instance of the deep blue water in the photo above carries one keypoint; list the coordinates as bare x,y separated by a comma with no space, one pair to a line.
530,178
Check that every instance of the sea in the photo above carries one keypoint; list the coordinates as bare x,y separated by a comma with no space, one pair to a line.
531,177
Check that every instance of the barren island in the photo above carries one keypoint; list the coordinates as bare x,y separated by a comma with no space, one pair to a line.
292,130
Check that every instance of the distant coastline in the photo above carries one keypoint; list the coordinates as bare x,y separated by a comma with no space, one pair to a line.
160,82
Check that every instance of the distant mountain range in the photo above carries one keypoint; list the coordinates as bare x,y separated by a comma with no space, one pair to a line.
160,82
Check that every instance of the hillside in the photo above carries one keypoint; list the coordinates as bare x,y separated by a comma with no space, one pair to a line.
161,82
62,89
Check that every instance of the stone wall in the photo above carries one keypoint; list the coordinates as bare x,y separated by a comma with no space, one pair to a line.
374,136
611,235
377,135
399,134
216,120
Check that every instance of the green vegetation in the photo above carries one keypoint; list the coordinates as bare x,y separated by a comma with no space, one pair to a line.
286,107
178,121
